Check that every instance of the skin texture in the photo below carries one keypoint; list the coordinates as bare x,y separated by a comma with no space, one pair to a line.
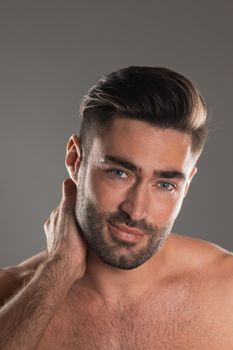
163,291
135,194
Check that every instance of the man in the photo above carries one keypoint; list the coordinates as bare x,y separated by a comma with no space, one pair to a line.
113,276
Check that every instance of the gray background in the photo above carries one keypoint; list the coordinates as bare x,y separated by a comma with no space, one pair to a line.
52,52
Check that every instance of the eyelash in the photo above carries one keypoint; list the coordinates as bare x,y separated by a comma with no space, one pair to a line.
111,173
170,184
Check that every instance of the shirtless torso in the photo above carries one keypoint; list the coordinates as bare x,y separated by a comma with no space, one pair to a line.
191,308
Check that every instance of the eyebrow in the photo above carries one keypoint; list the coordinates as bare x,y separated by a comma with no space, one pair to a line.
158,173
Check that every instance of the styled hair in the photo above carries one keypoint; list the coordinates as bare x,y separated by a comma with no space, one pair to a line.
155,95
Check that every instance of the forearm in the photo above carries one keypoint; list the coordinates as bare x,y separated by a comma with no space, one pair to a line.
24,319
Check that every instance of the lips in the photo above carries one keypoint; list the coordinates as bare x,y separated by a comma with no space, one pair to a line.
128,230
125,233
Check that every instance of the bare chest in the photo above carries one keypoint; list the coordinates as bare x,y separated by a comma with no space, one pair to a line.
169,321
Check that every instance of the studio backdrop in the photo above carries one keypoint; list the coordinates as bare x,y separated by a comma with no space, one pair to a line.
52,52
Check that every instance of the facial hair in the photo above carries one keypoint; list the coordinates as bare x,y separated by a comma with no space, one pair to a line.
114,252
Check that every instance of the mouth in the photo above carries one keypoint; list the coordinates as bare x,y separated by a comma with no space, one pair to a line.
125,233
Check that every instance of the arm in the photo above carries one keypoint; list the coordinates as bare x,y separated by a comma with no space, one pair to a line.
14,277
24,319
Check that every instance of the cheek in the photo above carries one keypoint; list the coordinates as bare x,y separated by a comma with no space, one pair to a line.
165,208
105,196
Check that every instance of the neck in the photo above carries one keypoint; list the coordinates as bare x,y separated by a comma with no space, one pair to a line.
112,283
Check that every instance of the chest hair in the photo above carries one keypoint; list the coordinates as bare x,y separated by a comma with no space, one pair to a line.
171,318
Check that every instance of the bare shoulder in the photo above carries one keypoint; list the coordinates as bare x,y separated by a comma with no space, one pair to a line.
12,278
214,266
203,253
217,277
208,270
209,261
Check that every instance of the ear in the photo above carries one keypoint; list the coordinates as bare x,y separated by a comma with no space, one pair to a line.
191,175
73,157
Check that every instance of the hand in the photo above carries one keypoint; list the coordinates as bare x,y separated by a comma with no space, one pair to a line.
63,239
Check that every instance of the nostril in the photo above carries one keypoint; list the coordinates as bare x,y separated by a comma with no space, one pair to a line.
126,213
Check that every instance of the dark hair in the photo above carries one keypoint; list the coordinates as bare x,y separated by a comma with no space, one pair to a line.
158,96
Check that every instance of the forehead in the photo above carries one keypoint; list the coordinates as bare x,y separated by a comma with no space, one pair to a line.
145,145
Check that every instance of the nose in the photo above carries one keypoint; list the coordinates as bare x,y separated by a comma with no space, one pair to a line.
137,202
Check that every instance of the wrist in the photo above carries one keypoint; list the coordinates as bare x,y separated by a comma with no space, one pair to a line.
61,268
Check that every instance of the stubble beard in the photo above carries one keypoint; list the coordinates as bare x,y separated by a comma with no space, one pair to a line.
112,251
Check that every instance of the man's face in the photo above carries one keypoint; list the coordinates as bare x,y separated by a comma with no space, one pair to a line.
131,189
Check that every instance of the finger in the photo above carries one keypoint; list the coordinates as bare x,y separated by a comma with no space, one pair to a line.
68,193
54,212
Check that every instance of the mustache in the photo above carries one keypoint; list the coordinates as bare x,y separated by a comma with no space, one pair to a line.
141,225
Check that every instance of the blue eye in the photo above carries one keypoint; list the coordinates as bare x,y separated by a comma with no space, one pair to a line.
166,186
117,173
